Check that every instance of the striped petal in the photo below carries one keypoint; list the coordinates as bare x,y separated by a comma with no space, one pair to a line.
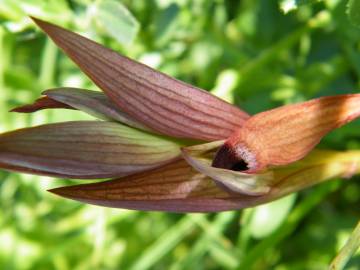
160,102
286,134
92,102
177,187
84,150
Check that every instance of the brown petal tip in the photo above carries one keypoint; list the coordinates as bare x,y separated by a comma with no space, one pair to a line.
41,104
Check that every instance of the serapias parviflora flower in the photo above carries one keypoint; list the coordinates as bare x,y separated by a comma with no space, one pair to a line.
170,146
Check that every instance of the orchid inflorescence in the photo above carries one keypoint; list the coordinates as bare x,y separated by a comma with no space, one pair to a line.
170,146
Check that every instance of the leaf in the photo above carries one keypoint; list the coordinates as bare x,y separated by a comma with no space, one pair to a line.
177,187
165,23
286,134
200,157
353,12
117,21
92,102
84,149
160,102
268,217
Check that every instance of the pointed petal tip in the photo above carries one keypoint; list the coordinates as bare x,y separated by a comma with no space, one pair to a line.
56,191
37,20
17,109
62,192
77,193
41,104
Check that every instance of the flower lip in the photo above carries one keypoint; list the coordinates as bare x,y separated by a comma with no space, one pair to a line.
237,158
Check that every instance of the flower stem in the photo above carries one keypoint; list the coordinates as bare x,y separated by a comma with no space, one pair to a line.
347,251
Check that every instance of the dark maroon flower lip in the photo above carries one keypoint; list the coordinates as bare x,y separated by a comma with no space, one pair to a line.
152,134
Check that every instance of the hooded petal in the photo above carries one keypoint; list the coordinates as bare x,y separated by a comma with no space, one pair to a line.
92,102
200,157
177,187
160,102
286,134
84,149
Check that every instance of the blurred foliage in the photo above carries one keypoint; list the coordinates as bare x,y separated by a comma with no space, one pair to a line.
248,52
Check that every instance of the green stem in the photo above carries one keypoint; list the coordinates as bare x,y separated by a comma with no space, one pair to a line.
347,251
164,244
2,64
3,92
212,233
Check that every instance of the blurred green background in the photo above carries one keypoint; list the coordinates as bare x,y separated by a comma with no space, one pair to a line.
256,54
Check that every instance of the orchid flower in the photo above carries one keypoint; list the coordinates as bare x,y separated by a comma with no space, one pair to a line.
169,146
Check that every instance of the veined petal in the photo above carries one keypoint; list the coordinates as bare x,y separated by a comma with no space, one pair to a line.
286,134
201,156
174,187
160,102
84,150
94,103
177,187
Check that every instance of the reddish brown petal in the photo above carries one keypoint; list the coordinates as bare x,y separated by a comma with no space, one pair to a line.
84,149
167,105
177,187
286,134
41,104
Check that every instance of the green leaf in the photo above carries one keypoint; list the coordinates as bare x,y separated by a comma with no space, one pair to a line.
165,23
353,12
118,22
267,218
